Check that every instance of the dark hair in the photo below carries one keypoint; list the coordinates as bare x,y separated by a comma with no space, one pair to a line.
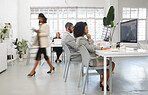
44,18
68,24
85,24
79,29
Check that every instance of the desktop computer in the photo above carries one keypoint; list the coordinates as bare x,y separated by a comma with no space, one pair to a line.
128,34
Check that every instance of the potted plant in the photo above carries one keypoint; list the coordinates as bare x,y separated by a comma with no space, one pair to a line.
2,34
108,22
24,46
19,48
7,25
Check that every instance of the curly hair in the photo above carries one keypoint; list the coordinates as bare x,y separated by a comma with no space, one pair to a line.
79,29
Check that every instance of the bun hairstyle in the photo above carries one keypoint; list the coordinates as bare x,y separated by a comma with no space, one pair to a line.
44,18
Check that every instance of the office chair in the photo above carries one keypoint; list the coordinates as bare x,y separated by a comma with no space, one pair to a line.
30,48
86,58
68,61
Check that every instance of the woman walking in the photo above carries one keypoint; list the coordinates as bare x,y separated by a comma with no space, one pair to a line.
42,41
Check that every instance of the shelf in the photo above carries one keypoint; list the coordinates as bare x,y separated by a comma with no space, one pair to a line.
8,61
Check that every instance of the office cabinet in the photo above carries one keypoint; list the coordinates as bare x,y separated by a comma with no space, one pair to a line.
3,57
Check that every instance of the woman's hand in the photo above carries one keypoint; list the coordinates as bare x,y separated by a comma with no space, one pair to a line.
88,36
37,31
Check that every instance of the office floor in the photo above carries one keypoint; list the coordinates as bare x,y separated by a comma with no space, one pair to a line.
129,78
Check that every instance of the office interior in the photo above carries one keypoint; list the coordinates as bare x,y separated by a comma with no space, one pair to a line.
130,76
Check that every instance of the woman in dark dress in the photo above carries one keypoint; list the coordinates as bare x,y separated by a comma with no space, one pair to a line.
58,50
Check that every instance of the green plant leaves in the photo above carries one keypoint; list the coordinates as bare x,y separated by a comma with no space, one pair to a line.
21,46
112,24
110,17
3,31
24,45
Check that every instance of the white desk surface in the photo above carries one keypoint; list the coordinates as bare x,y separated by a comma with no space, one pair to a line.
118,53
53,45
122,53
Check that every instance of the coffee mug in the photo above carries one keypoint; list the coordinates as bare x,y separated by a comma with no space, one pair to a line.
113,45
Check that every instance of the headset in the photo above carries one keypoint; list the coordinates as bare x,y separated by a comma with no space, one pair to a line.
68,24
69,27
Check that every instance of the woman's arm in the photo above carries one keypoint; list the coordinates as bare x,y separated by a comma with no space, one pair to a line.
53,39
88,44
44,31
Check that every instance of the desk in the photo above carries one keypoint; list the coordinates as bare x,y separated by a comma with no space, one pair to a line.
121,53
51,50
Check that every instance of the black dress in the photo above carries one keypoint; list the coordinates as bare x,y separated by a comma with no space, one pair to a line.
41,51
58,50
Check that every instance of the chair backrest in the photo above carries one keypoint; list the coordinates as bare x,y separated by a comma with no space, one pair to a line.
29,45
85,55
67,51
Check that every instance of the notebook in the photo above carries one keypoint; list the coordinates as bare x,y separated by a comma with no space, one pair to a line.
57,41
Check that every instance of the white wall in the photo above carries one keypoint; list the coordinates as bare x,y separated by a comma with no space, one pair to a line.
24,10
133,4
24,20
9,13
116,20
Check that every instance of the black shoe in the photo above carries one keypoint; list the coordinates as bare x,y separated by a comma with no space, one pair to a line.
101,84
106,88
31,75
56,61
60,61
52,70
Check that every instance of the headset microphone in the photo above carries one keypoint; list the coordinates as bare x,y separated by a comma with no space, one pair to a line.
69,29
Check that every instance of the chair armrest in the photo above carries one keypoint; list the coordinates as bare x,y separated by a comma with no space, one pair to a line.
99,57
75,54
92,58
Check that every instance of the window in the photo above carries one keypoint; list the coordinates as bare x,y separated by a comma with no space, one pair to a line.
136,13
58,17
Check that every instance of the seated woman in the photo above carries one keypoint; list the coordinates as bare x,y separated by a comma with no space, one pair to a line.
80,30
58,50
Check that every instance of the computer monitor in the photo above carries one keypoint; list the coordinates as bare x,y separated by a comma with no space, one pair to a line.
128,31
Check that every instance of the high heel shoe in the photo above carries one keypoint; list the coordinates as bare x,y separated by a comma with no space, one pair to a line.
32,74
101,84
52,70
60,61
107,88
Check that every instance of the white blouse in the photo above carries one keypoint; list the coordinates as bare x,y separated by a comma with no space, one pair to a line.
43,36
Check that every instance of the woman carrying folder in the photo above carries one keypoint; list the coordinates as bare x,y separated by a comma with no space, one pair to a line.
42,41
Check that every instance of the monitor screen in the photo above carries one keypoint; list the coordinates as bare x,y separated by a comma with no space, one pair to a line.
128,31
